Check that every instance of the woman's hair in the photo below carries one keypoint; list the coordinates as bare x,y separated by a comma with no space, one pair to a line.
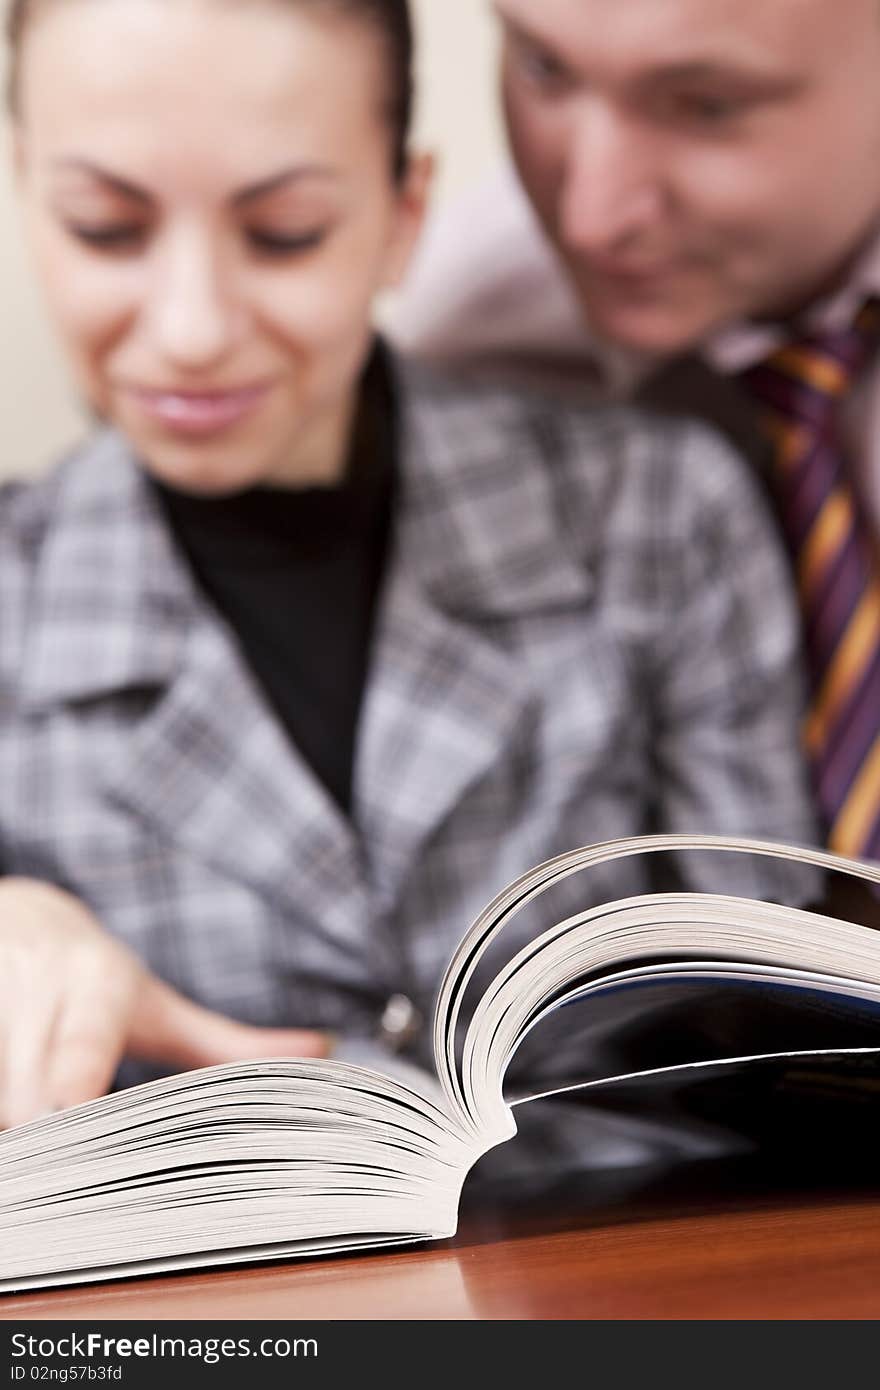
390,18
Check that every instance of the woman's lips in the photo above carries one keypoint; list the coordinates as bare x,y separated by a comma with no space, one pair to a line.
636,274
199,412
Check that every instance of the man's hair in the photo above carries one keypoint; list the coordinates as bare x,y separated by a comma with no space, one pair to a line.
390,18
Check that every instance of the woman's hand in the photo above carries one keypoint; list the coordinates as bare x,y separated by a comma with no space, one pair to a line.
74,1002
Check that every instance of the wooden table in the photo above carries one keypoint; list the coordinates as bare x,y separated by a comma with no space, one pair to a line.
746,1255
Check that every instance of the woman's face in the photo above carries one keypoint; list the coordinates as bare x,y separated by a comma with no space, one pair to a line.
209,197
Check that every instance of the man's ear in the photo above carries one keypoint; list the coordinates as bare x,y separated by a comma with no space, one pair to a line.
412,201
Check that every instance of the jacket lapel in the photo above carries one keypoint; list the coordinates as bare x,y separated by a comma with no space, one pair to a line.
216,772
477,544
206,765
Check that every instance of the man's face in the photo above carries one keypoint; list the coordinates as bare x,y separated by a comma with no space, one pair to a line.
696,161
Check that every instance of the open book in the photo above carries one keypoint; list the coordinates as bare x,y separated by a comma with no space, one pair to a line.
272,1159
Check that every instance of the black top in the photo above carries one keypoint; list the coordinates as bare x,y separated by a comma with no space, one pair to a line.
297,574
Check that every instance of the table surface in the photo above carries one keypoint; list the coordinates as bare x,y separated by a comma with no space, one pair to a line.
750,1254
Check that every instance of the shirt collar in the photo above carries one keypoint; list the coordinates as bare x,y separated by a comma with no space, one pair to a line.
739,346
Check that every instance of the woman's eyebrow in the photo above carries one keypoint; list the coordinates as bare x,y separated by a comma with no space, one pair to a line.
295,173
114,181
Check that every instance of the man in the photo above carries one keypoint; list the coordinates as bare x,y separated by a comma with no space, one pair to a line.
708,172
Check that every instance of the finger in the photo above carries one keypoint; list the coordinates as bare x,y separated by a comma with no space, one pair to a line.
171,1029
25,1052
87,1044
237,1042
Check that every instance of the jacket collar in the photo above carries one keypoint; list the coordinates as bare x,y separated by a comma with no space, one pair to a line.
113,600
479,538
114,609
479,530
482,520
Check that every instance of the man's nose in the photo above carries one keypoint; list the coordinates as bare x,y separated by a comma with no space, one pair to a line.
611,191
193,309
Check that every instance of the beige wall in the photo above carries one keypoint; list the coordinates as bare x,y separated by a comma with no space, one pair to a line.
457,117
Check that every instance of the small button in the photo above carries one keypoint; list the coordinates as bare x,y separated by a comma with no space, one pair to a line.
400,1023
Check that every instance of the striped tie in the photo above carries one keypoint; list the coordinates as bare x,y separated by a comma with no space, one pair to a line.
801,388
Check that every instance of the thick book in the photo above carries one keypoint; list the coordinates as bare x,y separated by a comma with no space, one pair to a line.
269,1160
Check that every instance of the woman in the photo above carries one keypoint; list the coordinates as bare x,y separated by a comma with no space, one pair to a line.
303,657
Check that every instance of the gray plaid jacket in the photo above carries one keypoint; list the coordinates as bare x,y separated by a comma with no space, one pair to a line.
585,632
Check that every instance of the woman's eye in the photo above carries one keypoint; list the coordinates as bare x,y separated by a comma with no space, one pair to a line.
113,237
277,244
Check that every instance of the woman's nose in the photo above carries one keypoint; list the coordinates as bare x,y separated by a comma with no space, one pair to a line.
193,311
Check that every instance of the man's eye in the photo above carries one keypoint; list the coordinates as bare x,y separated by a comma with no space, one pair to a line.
112,237
705,108
277,244
540,68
